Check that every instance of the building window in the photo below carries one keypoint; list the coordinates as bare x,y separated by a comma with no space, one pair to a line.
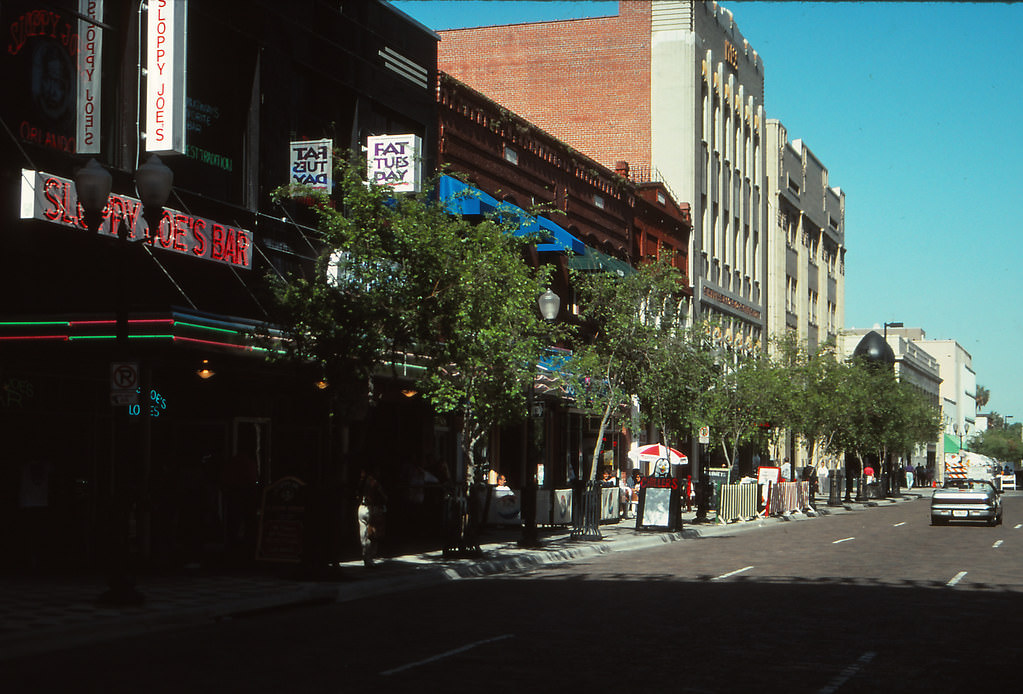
598,201
511,155
790,294
812,298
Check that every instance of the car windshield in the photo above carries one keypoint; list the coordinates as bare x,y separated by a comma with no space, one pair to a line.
976,485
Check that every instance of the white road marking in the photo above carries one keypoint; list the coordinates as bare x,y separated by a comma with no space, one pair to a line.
845,539
955,579
898,524
847,674
1018,526
732,573
446,654
997,544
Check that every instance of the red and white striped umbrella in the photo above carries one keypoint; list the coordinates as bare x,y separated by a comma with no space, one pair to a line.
655,451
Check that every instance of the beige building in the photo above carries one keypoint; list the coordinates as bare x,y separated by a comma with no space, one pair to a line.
806,245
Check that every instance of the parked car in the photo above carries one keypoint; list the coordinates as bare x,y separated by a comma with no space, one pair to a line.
966,500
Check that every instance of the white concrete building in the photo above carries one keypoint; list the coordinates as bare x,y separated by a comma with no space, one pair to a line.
806,242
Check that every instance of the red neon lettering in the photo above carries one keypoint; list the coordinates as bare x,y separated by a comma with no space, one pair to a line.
230,248
70,216
200,238
242,257
182,223
217,249
53,197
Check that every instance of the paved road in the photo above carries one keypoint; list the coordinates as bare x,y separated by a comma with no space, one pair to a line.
871,601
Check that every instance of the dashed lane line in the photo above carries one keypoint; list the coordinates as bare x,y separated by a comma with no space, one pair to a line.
955,579
898,524
847,674
446,654
844,539
998,543
731,573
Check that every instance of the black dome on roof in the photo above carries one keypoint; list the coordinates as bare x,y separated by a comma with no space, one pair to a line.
875,349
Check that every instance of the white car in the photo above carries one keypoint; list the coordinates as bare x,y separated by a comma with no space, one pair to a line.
966,500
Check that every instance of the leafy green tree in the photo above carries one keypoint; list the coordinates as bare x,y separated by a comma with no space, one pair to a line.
813,411
881,414
680,367
399,275
746,393
1001,444
625,321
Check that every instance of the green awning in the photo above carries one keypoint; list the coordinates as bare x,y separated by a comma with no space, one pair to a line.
951,444
595,260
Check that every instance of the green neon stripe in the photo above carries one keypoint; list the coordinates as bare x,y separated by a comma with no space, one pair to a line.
114,337
36,322
207,327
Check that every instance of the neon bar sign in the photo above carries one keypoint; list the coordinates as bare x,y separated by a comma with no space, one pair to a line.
50,198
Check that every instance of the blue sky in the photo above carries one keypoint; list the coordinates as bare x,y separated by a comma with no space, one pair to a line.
916,110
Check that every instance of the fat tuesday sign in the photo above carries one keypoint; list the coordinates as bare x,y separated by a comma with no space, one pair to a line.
395,161
312,162
50,198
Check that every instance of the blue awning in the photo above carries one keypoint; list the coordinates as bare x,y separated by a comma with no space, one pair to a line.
462,199
561,239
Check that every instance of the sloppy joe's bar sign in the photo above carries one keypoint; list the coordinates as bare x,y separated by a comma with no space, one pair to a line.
50,198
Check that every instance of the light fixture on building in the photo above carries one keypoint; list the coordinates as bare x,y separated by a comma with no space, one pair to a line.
550,304
93,184
409,392
205,372
321,384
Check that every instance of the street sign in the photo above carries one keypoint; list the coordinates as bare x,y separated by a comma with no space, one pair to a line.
124,383
704,434
123,397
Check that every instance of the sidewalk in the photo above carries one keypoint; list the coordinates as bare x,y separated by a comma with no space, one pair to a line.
50,613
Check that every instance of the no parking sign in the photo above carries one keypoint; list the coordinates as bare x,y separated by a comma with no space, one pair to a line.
124,383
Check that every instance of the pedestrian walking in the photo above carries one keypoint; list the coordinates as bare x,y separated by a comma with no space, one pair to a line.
372,515
909,476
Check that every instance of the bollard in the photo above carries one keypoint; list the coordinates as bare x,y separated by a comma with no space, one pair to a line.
836,482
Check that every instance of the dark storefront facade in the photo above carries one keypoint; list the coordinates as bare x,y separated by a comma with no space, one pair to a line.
86,317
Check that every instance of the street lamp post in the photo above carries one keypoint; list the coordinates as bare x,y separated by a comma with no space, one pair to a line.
93,186
549,304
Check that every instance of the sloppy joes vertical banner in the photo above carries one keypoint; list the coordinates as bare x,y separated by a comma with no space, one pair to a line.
90,76
50,198
165,76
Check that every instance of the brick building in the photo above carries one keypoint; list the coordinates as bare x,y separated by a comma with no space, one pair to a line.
671,86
